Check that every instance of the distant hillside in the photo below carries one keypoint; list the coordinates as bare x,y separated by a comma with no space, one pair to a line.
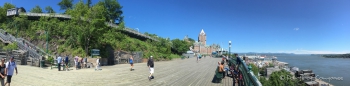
337,55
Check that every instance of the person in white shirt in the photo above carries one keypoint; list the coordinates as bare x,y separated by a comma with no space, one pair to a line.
76,58
10,67
97,64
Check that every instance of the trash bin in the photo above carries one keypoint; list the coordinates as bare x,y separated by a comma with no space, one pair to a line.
42,63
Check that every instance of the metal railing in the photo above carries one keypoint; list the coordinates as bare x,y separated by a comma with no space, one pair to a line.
248,75
20,44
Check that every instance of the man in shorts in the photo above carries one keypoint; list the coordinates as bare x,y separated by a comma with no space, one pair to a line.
10,67
150,65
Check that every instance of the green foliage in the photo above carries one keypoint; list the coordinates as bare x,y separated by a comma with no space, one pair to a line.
114,10
255,69
87,30
66,4
49,9
271,65
276,80
12,46
180,46
36,9
50,59
88,3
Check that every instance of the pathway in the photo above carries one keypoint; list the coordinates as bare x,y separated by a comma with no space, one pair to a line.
167,73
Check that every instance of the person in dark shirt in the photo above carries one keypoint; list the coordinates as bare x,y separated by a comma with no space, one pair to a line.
238,60
66,61
2,70
150,65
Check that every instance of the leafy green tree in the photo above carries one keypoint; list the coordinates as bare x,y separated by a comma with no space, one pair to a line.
281,78
66,4
36,9
3,13
114,11
179,46
11,46
49,9
88,3
255,69
191,40
8,6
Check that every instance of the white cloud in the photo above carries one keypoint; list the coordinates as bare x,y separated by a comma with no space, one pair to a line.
296,29
301,51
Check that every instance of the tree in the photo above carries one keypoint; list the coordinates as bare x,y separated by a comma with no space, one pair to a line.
191,40
3,11
114,11
179,46
49,9
255,69
88,3
36,9
66,4
281,78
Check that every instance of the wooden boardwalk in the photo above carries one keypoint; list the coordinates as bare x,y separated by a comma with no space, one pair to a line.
178,72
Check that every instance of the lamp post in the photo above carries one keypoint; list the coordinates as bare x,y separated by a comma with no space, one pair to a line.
229,49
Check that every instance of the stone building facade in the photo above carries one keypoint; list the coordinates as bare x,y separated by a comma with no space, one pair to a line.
201,47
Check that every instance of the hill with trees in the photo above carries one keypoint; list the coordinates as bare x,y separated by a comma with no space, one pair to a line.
87,30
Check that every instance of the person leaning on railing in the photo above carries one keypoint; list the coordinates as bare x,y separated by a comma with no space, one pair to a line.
238,60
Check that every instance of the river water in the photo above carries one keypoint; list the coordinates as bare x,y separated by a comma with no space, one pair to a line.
323,67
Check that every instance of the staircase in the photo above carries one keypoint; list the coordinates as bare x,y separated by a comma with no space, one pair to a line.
35,54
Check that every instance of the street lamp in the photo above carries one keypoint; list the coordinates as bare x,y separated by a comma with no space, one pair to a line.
229,49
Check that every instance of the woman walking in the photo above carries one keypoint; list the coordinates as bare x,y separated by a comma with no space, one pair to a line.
131,61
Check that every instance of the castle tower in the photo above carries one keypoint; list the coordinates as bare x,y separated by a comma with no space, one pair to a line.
202,38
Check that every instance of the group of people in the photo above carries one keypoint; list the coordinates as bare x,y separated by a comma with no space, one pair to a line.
150,65
7,70
221,71
82,62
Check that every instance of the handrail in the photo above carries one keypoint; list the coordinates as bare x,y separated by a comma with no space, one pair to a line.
248,76
19,41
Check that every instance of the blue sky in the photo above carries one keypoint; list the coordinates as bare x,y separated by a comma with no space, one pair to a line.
291,26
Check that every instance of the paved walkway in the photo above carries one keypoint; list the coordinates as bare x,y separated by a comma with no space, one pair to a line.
167,73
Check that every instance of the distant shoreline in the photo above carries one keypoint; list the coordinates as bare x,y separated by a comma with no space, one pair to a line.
336,56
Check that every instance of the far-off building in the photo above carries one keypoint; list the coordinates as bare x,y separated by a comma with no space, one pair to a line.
200,45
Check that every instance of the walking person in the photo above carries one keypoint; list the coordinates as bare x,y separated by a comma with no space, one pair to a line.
2,70
66,61
150,65
131,61
97,64
59,60
10,67
85,62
